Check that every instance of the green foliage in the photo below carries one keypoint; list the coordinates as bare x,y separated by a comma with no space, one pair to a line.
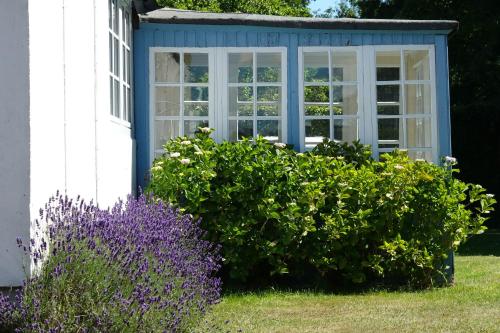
279,212
269,7
356,153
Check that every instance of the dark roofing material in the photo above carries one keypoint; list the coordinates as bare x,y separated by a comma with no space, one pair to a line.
177,16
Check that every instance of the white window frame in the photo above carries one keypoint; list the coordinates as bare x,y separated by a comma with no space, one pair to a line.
359,84
223,56
367,94
121,10
218,100
181,84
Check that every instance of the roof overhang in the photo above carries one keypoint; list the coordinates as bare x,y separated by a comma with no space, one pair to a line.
178,16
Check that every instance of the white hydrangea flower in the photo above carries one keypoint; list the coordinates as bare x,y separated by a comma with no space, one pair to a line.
205,129
280,145
185,142
489,195
156,168
185,161
450,160
175,155
399,167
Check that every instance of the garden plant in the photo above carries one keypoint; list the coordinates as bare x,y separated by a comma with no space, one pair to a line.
139,267
333,212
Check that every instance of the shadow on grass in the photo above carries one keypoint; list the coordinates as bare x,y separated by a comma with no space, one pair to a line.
487,244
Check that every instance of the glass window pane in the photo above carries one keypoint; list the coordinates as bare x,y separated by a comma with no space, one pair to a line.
196,94
240,67
316,131
245,129
196,109
269,109
129,102
111,99
316,67
116,16
417,65
167,101
116,57
240,100
345,100
125,103
268,94
164,131
232,134
388,65
418,98
269,67
117,98
317,94
127,66
344,66
196,67
417,154
167,67
269,129
388,109
389,133
345,130
388,93
192,126
317,110
418,133
111,58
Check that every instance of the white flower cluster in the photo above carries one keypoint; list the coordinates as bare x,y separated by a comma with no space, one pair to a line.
185,143
185,161
175,155
205,129
280,145
450,160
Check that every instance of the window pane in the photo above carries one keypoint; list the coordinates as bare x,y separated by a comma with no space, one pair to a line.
125,103
388,64
116,98
196,93
116,15
317,110
269,67
269,109
196,67
388,109
245,129
110,11
116,57
127,66
388,93
196,109
167,101
268,94
191,126
418,98
425,155
129,102
164,131
417,65
316,67
344,66
111,58
389,133
316,131
269,129
317,94
111,99
240,67
167,67
240,99
418,133
345,130
345,100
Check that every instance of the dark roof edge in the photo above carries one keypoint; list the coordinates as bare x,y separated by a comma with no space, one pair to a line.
170,16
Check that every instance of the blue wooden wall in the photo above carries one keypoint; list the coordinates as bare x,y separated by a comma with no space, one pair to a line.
180,35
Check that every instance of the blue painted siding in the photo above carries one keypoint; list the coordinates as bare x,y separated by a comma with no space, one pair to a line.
180,35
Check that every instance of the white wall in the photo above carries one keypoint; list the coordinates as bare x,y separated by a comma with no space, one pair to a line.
14,137
68,140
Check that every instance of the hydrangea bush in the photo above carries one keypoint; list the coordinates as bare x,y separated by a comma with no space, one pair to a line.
277,212
139,267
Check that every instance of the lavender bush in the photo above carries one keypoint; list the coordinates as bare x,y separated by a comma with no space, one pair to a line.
140,267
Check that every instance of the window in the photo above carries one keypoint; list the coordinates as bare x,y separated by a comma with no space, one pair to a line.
181,93
403,101
382,95
120,41
329,99
241,92
256,94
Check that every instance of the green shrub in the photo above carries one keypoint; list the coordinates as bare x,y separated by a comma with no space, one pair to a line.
275,211
356,152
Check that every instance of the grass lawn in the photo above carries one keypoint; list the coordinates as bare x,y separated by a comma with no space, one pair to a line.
471,305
